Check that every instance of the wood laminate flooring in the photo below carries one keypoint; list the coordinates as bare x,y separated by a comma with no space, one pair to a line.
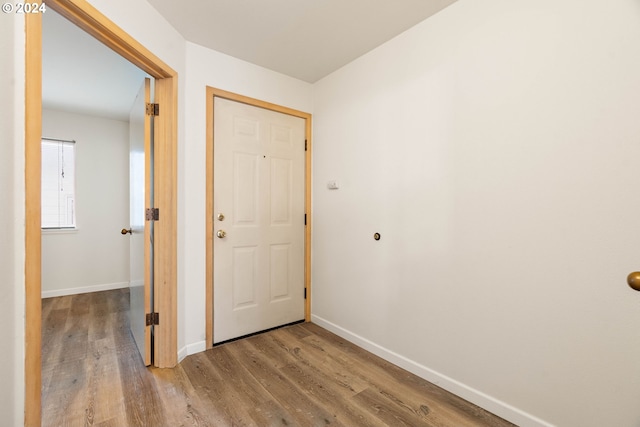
300,375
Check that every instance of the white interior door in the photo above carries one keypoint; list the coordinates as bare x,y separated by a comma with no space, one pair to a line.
258,247
140,230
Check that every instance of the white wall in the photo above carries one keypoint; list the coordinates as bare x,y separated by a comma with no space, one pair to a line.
206,67
12,306
494,146
95,256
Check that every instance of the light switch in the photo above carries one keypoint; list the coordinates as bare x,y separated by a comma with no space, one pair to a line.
332,185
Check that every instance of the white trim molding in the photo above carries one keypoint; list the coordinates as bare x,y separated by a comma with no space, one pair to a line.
84,289
190,349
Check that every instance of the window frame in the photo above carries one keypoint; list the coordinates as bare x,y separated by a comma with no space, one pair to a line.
73,224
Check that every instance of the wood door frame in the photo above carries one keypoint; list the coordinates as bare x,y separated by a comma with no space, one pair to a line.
211,94
89,19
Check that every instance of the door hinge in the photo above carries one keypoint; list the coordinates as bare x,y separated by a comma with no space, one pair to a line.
305,293
153,110
305,145
305,219
152,214
153,319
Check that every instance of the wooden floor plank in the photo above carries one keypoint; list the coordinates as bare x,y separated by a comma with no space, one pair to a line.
301,375
271,413
432,402
323,363
293,400
328,388
69,377
388,411
348,384
142,402
183,405
53,327
237,378
100,316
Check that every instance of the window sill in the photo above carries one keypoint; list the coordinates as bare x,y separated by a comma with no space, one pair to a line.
59,230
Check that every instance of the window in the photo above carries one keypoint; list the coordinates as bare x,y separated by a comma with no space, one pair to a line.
58,184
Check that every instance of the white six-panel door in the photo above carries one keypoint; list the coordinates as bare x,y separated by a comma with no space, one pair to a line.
258,248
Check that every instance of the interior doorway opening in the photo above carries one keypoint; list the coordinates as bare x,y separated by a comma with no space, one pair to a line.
93,22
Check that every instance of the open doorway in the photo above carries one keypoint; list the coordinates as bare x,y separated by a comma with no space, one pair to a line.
87,94
91,120
93,22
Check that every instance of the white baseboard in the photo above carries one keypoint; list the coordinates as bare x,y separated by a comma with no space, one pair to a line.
474,396
190,349
182,353
84,289
196,347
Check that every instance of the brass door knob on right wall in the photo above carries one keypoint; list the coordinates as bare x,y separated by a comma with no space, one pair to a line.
633,279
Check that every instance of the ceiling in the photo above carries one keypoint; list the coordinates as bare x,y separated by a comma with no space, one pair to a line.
304,39
81,75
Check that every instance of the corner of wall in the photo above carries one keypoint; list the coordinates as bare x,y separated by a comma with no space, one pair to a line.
12,302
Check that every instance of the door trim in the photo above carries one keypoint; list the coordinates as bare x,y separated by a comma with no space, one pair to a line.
88,18
211,94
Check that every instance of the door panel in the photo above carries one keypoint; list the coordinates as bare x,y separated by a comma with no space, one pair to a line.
140,237
245,194
244,278
259,181
280,267
281,188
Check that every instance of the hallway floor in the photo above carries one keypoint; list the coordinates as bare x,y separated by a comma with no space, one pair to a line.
300,375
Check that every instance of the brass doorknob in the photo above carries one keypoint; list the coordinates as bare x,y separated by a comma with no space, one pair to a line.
633,280
221,234
124,231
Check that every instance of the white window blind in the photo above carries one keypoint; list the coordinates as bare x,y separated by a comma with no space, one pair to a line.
58,184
